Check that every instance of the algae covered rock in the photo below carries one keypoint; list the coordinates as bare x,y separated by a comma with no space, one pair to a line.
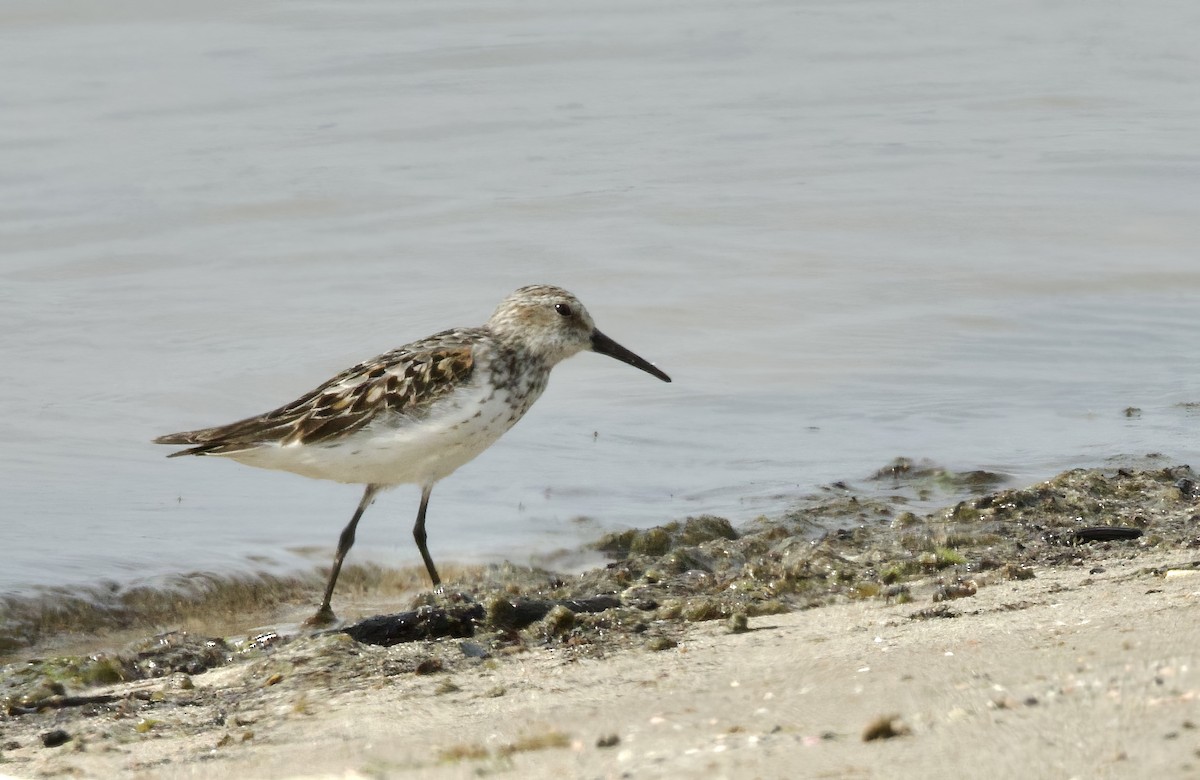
662,538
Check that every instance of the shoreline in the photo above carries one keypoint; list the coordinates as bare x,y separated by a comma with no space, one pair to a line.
1082,662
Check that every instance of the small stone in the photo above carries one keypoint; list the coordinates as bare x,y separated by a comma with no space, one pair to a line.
1012,571
739,623
955,590
55,738
473,650
659,643
608,740
885,727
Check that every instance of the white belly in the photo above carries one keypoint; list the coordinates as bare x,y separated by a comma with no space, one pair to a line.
399,450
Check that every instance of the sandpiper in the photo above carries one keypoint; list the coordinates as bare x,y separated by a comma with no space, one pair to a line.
417,413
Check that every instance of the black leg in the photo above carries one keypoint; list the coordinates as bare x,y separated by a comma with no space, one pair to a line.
324,614
419,535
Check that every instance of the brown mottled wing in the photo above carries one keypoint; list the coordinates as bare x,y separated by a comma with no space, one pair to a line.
405,381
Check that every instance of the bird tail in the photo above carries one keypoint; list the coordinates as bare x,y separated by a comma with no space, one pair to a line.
204,439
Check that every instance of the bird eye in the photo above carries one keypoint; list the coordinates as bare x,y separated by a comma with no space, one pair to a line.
563,309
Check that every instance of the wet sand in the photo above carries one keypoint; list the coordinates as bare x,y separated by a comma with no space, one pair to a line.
1083,664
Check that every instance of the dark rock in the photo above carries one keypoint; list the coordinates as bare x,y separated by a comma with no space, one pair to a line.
55,738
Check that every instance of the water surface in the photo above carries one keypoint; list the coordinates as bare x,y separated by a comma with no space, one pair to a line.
849,231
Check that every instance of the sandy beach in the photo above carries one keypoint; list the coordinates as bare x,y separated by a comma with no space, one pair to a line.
1085,669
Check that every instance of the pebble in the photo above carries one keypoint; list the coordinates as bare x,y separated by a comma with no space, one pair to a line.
55,738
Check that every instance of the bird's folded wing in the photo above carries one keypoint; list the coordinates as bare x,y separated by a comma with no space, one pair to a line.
406,381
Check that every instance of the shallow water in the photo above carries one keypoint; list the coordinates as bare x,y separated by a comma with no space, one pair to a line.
849,231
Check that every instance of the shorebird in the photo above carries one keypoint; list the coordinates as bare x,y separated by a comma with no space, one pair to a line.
417,413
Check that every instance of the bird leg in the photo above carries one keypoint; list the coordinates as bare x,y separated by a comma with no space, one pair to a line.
419,535
324,615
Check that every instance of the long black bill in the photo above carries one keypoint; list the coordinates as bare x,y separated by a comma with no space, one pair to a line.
606,346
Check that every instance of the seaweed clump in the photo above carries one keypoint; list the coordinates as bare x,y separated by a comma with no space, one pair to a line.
851,544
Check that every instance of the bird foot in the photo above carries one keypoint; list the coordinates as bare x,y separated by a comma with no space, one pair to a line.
323,617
